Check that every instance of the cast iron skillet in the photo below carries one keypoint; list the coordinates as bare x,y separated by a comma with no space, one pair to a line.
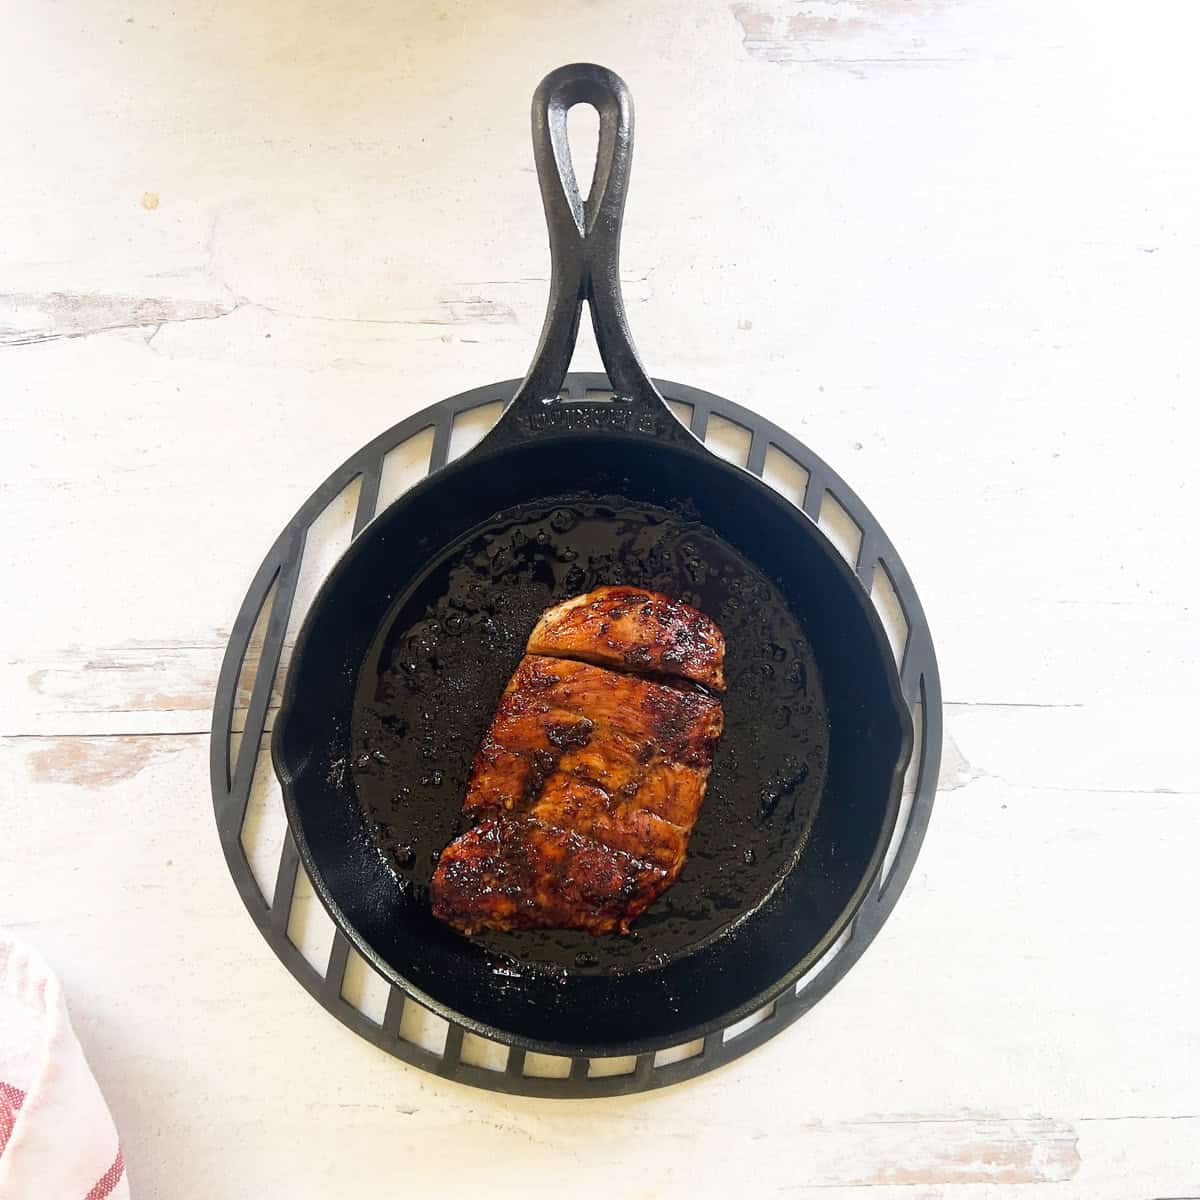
404,653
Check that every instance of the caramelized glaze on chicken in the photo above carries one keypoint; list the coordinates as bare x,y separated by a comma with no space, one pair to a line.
584,789
631,629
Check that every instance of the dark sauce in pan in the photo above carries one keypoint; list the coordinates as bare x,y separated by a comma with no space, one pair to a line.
445,651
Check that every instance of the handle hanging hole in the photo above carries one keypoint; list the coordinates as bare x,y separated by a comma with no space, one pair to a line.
583,136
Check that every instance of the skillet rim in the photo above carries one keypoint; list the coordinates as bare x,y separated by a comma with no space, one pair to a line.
858,896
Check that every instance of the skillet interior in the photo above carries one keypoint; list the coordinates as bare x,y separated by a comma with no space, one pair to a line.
432,678
710,983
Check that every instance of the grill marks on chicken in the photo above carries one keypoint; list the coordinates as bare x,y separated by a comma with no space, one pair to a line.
516,873
631,629
632,737
584,789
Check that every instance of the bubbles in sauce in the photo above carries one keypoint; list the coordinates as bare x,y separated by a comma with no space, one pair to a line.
446,651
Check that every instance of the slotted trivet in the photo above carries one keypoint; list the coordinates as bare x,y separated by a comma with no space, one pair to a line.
879,570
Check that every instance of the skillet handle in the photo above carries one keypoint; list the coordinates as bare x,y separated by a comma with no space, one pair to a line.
585,239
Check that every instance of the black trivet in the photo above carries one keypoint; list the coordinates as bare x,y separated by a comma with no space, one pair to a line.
823,495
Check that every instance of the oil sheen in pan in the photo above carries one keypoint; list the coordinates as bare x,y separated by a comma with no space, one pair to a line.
445,651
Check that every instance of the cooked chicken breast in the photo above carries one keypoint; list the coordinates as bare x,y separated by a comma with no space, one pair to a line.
586,785
631,629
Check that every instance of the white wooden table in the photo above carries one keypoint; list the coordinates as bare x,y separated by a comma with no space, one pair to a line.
952,246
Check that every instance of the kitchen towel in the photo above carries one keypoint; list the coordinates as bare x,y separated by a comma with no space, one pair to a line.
57,1138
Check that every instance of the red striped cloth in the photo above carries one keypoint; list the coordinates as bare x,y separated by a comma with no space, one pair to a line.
57,1139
